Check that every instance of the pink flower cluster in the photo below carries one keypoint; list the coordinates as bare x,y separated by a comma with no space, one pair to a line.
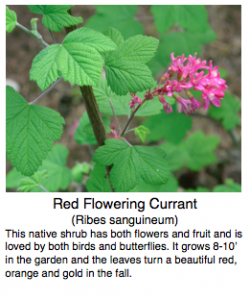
134,100
188,74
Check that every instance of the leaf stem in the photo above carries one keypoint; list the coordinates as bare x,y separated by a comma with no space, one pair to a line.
38,38
93,111
130,130
46,92
108,175
131,117
126,142
116,120
43,188
52,36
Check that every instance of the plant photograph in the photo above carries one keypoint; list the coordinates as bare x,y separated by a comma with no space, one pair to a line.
123,98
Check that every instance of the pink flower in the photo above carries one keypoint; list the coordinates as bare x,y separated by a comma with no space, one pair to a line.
137,100
134,100
189,75
212,95
214,75
177,64
199,81
115,134
196,64
149,95
164,77
194,104
185,104
162,99
132,104
73,128
168,108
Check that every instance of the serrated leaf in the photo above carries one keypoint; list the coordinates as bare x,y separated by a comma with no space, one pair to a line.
125,67
80,64
142,132
13,179
55,17
114,35
192,17
30,132
98,181
11,20
227,112
124,77
138,48
199,149
84,133
121,103
35,181
172,127
77,60
79,170
176,42
121,17
229,187
91,38
170,187
44,68
59,176
131,163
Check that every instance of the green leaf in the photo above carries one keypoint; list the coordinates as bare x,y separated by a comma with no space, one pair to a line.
223,73
44,68
98,181
125,76
79,170
227,112
131,163
170,187
205,37
192,17
114,35
55,17
138,48
84,132
91,38
142,132
164,16
80,64
13,179
78,59
229,187
199,149
177,42
125,67
175,155
11,20
35,181
30,132
121,17
121,103
172,127
59,176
